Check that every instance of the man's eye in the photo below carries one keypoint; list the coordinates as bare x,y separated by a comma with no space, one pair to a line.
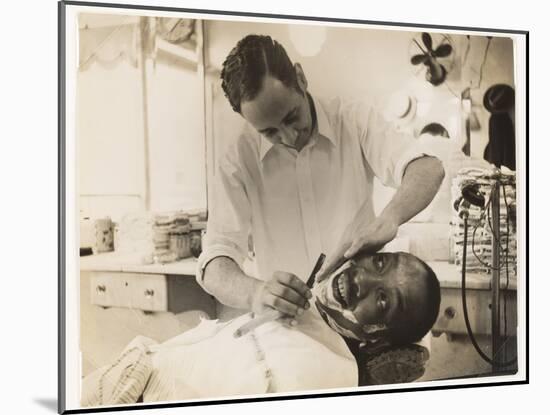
379,262
382,302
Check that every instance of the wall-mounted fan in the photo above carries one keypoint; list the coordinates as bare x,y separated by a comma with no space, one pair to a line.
437,55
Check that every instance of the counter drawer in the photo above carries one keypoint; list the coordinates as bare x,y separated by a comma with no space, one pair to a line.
451,317
131,290
107,291
149,292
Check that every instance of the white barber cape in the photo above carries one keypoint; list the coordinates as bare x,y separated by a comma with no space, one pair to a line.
209,362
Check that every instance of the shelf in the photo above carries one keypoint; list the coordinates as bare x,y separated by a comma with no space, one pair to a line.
116,262
449,276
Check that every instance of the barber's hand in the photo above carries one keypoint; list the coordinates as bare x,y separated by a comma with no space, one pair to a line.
360,236
284,293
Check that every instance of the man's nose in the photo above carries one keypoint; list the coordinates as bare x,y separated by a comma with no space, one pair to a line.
362,282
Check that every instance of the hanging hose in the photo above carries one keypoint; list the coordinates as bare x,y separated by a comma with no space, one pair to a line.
465,308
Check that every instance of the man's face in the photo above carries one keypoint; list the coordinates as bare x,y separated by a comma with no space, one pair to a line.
280,114
373,292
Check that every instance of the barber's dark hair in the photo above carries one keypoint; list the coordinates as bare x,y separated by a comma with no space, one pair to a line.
247,64
413,331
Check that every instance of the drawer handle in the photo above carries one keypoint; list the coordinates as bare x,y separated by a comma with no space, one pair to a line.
149,293
450,312
101,289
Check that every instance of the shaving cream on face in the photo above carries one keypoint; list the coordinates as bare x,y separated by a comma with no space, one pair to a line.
320,289
373,328
323,292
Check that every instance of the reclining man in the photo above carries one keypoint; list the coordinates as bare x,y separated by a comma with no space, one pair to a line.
381,300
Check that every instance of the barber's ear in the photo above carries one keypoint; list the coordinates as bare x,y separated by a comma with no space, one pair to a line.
301,77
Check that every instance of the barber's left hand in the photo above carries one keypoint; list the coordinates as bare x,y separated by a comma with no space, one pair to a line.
360,236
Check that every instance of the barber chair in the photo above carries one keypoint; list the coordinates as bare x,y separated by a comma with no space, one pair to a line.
401,364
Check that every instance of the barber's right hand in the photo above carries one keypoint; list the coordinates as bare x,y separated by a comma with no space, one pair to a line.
284,292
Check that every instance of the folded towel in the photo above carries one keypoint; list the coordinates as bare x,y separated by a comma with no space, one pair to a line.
124,380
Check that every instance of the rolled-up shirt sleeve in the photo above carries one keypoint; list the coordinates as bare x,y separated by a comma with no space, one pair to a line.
387,150
229,219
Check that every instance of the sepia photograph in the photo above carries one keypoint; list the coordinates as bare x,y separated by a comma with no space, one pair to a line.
262,207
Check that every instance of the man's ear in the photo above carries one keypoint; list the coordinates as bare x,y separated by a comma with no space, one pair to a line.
301,77
373,348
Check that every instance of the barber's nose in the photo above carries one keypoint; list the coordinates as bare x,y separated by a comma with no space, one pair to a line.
288,135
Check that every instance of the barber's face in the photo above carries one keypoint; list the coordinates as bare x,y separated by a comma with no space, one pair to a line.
374,292
279,113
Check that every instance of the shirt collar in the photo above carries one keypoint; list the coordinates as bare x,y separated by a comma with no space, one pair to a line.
323,125
323,128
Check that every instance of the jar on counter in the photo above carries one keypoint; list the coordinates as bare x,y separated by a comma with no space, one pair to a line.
180,241
104,238
198,230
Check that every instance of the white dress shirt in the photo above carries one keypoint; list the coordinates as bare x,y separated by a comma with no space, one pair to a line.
297,204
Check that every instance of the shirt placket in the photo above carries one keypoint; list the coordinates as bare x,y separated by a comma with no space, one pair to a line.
307,203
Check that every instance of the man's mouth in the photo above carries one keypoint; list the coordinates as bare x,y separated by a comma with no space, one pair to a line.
341,289
333,300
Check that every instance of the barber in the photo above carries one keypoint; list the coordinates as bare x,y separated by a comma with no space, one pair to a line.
299,179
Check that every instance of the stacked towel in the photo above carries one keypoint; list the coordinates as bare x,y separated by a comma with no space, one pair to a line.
156,237
480,233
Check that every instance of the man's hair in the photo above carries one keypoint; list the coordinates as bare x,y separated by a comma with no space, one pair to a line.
248,63
413,331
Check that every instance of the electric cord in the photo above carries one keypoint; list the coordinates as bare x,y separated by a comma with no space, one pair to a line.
467,52
490,221
487,211
465,308
484,61
506,264
451,90
506,256
486,265
507,233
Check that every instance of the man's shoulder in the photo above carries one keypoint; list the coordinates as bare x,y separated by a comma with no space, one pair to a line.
331,105
344,107
244,148
248,137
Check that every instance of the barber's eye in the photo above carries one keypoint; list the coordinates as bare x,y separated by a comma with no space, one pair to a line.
291,120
